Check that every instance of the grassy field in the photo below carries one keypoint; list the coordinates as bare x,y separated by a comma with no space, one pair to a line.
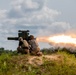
18,64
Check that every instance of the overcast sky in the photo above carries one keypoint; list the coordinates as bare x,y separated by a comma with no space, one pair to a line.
41,17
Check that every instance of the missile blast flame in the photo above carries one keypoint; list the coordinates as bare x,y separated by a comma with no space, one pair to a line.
59,41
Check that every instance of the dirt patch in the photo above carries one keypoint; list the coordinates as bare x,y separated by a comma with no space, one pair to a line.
35,60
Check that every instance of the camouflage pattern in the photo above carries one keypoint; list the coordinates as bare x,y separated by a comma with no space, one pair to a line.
35,50
23,51
23,47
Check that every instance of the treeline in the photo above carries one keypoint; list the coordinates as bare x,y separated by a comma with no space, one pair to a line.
44,51
54,50
3,50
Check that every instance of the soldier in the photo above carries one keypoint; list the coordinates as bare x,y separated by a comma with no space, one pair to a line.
23,46
35,50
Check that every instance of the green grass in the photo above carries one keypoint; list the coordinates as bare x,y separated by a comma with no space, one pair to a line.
66,67
11,65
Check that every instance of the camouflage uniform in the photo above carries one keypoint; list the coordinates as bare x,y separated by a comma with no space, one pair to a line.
35,50
23,46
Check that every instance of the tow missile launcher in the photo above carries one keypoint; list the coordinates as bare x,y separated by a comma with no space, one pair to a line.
21,33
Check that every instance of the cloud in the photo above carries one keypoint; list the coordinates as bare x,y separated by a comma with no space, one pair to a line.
3,14
55,28
32,12
34,15
28,4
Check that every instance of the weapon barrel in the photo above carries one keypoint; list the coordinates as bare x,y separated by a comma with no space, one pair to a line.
12,38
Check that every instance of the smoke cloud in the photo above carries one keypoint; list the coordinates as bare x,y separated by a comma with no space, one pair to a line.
60,41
